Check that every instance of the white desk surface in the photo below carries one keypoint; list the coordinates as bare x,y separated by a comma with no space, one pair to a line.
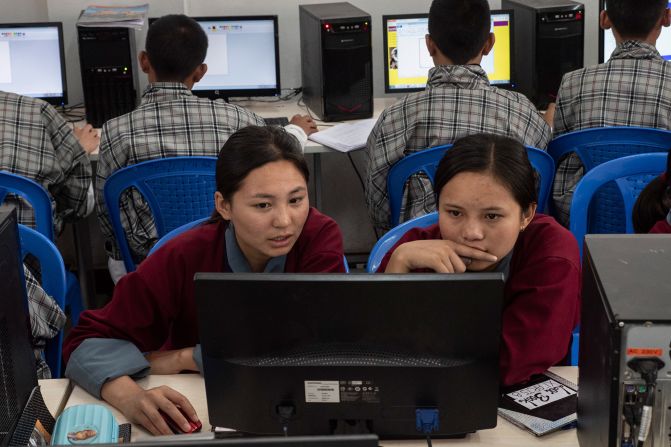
192,385
53,391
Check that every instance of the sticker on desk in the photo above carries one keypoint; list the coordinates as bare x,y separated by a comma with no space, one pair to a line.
322,391
541,394
359,391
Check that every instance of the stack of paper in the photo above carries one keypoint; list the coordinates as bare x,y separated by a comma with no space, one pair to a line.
114,16
345,137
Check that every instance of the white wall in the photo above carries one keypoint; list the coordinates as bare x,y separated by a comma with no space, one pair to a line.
287,10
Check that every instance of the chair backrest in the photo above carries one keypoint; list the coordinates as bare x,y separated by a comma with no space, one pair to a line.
35,195
190,225
427,160
631,174
598,145
53,281
178,190
390,238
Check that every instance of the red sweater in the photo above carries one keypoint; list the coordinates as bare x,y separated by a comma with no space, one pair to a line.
662,226
541,298
154,307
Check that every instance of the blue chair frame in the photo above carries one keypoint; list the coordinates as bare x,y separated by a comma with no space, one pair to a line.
390,238
190,225
631,174
178,190
53,281
426,161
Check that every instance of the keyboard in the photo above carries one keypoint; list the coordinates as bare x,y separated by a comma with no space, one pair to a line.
277,121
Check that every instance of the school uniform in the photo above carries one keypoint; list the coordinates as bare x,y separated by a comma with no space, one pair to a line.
663,226
154,308
541,296
458,101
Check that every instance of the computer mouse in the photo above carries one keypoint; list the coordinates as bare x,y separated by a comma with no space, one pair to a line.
195,426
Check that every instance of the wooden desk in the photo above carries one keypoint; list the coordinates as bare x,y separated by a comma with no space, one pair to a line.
504,435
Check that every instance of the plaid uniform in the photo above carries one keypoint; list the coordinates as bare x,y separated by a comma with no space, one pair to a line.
37,143
632,89
46,319
170,122
458,101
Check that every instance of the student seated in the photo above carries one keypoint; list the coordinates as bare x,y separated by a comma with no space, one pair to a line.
632,89
652,210
458,101
487,197
262,223
169,122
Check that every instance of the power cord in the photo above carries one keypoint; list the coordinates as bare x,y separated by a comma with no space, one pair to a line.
285,412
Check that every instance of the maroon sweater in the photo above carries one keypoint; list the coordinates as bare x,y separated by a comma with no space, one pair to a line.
662,227
154,307
541,298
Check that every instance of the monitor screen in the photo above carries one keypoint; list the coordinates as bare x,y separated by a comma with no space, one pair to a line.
407,60
32,61
607,40
242,57
322,354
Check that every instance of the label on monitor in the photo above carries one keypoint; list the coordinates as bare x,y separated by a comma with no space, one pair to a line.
359,391
322,391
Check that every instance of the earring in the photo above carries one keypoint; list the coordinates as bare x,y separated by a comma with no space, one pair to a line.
522,229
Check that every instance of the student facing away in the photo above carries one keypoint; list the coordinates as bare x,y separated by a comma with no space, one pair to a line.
169,122
632,89
263,223
652,210
486,198
458,101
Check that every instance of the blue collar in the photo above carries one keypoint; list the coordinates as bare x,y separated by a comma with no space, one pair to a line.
237,261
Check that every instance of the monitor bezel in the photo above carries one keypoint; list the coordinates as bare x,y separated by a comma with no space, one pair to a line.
602,38
231,93
387,17
53,100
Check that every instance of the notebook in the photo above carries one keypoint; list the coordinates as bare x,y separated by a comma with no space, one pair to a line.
542,405
345,137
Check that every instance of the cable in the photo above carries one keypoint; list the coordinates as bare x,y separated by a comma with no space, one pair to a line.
647,367
285,412
426,421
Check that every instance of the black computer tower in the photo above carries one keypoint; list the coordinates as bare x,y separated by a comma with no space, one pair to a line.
107,59
548,43
626,316
336,60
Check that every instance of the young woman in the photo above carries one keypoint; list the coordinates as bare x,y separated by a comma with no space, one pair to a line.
263,223
652,210
486,198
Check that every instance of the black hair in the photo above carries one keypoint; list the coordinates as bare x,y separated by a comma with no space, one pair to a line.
505,158
459,28
250,148
635,18
176,45
654,202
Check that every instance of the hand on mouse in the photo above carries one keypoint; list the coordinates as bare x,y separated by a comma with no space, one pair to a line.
304,122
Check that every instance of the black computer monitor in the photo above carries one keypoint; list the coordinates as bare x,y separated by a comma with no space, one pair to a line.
17,362
407,61
607,40
242,57
32,61
330,354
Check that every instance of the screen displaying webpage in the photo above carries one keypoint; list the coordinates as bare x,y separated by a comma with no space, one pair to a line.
240,55
30,61
663,43
408,59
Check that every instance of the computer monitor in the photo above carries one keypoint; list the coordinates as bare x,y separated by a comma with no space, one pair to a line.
242,57
607,41
32,61
329,354
407,61
17,361
208,440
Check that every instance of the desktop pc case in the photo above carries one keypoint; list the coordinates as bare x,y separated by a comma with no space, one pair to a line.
336,57
107,59
626,315
548,43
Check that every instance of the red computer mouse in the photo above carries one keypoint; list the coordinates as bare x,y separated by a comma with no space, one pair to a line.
195,426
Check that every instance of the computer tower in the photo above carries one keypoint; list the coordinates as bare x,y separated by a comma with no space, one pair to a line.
107,59
336,60
548,43
626,318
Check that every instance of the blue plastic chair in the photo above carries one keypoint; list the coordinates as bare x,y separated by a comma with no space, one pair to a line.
427,160
53,281
40,200
599,145
631,174
190,225
391,237
178,190
575,345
